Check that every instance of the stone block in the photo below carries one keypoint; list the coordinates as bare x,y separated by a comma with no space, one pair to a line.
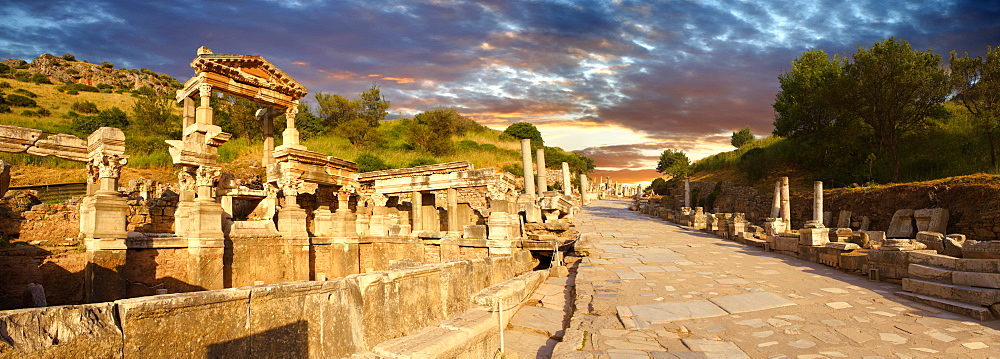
474,231
920,271
71,331
981,250
164,325
901,225
931,219
843,246
934,259
933,240
979,265
873,238
788,244
844,219
303,318
814,236
973,279
389,297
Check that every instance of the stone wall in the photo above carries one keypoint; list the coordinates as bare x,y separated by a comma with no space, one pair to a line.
334,318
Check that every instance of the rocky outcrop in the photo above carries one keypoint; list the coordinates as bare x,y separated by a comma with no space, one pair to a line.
60,70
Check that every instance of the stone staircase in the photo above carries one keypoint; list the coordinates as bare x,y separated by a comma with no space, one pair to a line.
969,287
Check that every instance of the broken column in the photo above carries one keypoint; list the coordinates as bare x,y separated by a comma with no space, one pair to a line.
542,181
687,193
584,198
567,186
786,205
529,180
815,233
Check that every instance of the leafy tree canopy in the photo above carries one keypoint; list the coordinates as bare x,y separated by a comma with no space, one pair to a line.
674,163
742,138
524,130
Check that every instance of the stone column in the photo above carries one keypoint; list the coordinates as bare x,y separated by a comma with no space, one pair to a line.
542,182
416,212
776,204
529,178
583,187
291,216
266,117
818,201
189,113
203,114
567,186
687,192
290,137
344,220
786,207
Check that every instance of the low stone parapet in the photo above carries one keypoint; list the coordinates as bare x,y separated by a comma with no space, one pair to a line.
334,318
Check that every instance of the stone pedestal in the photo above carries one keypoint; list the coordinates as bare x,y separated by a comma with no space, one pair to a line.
102,221
814,236
292,222
203,220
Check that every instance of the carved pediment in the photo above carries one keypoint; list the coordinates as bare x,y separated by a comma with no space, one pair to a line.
251,70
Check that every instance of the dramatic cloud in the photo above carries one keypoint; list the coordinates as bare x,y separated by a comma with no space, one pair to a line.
617,80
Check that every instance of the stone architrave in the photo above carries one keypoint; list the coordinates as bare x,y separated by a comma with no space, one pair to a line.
931,219
529,178
901,225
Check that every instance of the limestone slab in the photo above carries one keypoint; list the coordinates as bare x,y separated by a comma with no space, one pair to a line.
668,312
543,320
715,349
751,302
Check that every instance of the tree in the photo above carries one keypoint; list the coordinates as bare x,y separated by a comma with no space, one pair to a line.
742,138
112,117
358,117
373,106
674,163
69,57
893,90
151,115
368,162
524,130
810,101
976,83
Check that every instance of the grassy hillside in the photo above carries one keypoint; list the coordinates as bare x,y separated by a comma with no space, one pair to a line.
149,157
950,146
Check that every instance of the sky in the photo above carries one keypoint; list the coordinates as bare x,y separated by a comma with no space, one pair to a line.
619,81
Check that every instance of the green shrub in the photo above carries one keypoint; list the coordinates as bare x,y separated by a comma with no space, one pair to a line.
69,57
84,107
26,93
5,109
20,101
107,65
422,161
29,113
39,79
72,71
4,69
77,87
4,84
514,169
72,92
368,162
113,117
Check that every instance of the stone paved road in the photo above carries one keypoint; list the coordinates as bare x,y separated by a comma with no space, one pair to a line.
651,289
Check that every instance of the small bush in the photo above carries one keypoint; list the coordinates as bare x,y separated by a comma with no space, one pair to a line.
72,92
4,84
107,65
104,86
422,161
72,71
20,101
69,57
113,117
4,69
77,87
29,113
43,112
39,79
26,93
84,107
368,162
5,109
